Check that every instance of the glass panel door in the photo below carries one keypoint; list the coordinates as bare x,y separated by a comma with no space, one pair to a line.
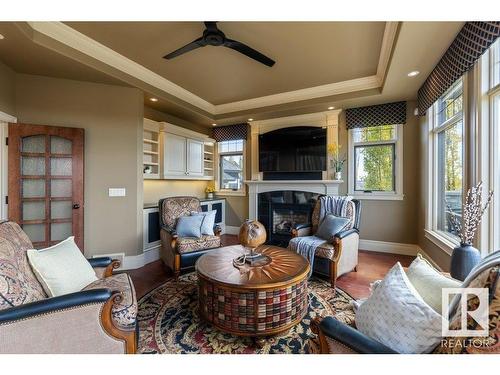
46,194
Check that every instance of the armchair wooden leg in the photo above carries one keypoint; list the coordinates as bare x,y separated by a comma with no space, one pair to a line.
177,266
355,268
333,273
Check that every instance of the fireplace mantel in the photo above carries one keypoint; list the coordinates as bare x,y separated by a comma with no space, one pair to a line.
329,187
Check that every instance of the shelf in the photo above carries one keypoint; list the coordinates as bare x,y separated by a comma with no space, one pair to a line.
208,161
208,169
150,141
149,163
150,152
208,152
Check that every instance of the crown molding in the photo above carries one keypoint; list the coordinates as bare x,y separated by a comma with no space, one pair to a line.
331,89
72,38
88,46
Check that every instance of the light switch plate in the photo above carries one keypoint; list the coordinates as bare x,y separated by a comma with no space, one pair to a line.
117,192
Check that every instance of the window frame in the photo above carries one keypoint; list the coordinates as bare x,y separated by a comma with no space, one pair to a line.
218,171
443,239
397,193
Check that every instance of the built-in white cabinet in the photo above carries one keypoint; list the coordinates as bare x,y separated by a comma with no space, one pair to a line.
194,157
172,152
174,155
184,153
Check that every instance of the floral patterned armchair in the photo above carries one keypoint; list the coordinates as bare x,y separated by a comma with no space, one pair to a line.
99,319
181,253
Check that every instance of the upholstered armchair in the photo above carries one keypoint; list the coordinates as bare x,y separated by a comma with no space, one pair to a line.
99,319
335,337
339,255
181,253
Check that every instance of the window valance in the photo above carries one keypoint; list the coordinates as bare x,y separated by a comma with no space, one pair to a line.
230,132
468,46
376,115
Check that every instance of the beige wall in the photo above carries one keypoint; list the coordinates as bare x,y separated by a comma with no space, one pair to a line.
7,90
154,190
112,119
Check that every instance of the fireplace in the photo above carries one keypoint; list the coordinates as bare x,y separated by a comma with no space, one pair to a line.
279,211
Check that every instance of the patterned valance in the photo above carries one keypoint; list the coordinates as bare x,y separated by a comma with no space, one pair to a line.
470,43
376,115
230,132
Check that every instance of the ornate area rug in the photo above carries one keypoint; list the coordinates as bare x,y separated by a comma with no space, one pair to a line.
169,322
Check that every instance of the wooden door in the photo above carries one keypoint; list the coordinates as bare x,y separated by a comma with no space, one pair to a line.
46,182
194,158
174,153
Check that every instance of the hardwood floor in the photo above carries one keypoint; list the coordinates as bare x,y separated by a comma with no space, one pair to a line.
372,266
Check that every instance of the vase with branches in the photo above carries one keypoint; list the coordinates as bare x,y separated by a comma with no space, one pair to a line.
337,160
465,256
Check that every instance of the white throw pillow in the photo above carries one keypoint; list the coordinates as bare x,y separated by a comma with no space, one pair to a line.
396,316
62,268
429,282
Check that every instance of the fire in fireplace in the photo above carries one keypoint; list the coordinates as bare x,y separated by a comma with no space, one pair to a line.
279,211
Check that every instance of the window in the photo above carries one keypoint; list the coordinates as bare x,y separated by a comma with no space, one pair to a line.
495,64
493,100
231,166
374,166
447,138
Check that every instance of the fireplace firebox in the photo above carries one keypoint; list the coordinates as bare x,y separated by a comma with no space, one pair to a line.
279,211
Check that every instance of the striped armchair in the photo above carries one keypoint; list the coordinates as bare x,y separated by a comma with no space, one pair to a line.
340,255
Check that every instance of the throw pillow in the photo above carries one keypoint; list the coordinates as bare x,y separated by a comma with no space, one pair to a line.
396,316
189,226
207,225
330,226
62,268
429,282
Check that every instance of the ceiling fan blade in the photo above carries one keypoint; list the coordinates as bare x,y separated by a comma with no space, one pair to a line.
188,47
248,51
211,25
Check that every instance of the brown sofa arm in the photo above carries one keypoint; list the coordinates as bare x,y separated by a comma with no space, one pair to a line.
104,266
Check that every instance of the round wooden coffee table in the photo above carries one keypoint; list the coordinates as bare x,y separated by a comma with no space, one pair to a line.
253,300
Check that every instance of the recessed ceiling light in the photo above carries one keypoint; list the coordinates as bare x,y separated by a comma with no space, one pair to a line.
153,99
1,37
413,73
214,124
250,119
330,108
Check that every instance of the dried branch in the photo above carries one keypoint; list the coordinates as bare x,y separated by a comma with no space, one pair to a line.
472,213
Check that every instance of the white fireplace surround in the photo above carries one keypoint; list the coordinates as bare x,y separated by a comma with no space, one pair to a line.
329,187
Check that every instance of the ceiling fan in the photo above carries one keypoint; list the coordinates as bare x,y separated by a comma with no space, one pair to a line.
212,36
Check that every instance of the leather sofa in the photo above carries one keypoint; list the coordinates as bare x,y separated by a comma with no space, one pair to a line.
339,256
101,318
181,253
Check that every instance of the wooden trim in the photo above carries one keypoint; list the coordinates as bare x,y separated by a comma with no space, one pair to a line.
128,337
115,264
323,344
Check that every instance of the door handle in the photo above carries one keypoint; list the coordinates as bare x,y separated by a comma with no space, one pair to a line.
76,206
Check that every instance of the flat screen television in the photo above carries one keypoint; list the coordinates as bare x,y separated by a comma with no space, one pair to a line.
294,149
